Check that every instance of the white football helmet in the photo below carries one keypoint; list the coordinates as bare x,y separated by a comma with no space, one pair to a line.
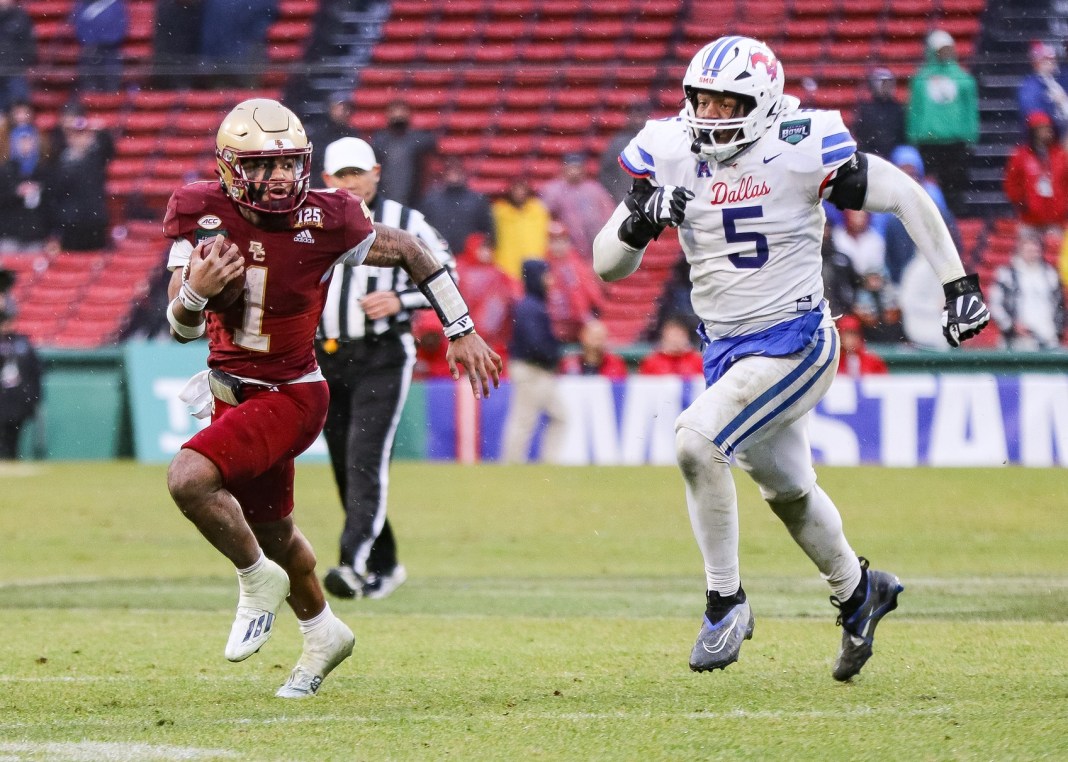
745,68
255,130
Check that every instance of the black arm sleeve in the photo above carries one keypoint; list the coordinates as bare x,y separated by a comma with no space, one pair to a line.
850,183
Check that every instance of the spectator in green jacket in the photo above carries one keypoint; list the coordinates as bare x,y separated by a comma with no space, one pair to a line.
942,119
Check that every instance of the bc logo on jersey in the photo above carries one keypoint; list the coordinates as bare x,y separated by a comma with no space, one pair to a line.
796,131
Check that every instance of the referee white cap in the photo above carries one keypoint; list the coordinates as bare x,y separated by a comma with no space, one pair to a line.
348,153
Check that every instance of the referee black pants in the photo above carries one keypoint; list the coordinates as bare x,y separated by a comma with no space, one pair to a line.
369,381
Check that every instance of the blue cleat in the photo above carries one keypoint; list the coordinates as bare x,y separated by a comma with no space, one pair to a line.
859,622
722,634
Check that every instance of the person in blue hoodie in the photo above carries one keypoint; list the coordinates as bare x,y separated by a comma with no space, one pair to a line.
535,353
899,246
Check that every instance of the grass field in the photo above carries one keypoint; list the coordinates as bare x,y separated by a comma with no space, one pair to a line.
549,614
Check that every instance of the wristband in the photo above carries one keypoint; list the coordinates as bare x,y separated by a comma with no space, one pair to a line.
969,284
181,329
190,299
440,290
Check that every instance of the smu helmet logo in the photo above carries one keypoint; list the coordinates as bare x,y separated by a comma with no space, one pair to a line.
771,63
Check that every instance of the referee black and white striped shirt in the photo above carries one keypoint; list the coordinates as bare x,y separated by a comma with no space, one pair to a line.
343,319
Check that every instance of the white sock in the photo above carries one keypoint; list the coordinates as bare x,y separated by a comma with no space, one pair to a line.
317,621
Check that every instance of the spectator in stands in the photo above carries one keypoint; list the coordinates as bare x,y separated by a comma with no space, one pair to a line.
921,301
840,278
856,238
855,359
900,248
431,347
456,209
578,201
176,42
1043,90
521,222
491,294
100,27
674,353
942,118
594,357
18,52
879,124
20,375
878,309
404,153
534,356
674,300
78,188
1036,179
576,295
233,41
24,208
1027,299
615,182
334,125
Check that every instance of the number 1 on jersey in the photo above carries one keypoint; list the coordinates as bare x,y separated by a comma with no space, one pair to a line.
733,235
249,335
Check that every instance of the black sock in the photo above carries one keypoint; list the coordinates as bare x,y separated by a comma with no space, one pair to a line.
719,606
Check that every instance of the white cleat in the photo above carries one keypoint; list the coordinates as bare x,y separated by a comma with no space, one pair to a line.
322,652
260,599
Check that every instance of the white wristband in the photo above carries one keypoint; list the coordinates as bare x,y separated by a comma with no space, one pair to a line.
181,329
190,299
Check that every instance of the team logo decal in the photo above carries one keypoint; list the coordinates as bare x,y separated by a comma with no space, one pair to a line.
256,250
770,62
796,131
209,222
303,237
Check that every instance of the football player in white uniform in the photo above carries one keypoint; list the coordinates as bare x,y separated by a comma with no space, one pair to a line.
742,172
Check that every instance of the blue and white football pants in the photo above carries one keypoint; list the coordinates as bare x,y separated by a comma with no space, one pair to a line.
757,414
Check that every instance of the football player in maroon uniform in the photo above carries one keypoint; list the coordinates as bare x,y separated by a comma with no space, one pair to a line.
260,225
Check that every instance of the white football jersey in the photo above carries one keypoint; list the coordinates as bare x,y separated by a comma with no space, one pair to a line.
753,233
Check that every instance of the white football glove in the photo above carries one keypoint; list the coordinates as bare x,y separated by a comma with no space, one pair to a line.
666,206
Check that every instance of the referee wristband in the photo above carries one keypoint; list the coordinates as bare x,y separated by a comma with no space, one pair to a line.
440,290
190,299
181,329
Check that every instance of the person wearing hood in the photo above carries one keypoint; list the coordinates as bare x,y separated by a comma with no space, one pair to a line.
942,118
456,209
1044,90
856,359
1036,178
535,353
24,210
403,152
879,125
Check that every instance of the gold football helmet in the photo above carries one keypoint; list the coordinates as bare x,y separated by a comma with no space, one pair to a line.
252,137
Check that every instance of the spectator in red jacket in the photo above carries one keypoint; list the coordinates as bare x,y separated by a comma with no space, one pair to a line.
1036,178
491,293
576,294
674,354
594,359
855,359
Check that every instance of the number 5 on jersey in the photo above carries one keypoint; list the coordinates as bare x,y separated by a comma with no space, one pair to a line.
746,261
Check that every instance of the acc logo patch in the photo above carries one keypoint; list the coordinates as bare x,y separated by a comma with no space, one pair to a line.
796,131
209,222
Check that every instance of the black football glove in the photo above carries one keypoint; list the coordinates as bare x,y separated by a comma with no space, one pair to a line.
966,313
651,210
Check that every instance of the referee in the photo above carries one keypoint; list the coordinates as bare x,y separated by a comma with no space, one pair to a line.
366,351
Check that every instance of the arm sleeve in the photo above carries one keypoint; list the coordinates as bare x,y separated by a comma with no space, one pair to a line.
891,190
613,259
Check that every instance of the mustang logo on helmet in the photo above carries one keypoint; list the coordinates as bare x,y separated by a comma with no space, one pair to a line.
771,64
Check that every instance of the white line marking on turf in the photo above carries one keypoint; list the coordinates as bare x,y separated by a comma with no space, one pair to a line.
94,751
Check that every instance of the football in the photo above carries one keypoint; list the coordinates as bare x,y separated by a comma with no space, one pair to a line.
229,296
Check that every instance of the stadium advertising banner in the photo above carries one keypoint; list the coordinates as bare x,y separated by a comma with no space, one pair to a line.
896,420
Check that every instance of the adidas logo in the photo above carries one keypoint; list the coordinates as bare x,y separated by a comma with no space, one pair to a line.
304,237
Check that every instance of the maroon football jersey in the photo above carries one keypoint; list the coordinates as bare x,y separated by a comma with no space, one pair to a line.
269,334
